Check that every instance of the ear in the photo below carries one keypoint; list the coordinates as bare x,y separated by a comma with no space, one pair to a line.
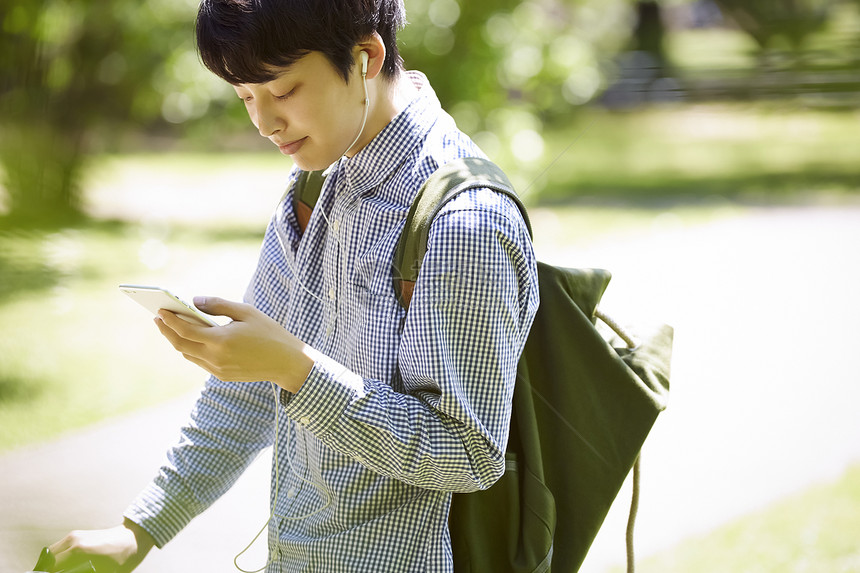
375,49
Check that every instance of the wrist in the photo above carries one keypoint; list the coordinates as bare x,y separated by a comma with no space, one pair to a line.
298,370
142,538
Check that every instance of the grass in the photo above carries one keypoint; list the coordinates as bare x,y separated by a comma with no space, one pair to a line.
814,531
711,48
74,350
738,152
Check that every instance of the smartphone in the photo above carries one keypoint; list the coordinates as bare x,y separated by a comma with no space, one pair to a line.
155,298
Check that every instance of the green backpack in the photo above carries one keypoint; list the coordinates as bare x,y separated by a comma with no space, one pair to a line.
582,407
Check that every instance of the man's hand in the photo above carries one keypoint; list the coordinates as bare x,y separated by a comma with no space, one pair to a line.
116,550
251,348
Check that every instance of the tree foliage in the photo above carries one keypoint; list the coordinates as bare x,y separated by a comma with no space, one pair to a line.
76,74
504,68
771,21
73,73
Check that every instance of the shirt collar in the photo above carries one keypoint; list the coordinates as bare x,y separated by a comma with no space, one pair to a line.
390,148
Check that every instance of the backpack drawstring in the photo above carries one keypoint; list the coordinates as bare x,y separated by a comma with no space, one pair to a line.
634,502
631,519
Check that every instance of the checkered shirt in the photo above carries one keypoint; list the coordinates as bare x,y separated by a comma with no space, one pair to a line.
405,408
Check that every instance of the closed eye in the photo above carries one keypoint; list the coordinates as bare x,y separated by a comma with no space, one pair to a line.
290,93
287,95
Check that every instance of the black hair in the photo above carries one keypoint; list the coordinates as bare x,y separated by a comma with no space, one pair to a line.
242,41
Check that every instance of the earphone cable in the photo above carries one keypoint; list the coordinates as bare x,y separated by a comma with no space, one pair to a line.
272,514
321,487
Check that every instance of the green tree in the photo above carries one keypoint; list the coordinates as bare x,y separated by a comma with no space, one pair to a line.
769,22
76,74
73,73
505,68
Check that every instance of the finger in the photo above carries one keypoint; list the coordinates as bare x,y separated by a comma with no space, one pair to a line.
65,552
59,546
64,560
175,338
63,545
207,366
73,558
220,307
181,327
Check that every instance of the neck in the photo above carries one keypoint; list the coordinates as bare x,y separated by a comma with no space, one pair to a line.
387,99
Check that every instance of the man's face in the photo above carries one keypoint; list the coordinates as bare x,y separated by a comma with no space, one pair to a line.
308,111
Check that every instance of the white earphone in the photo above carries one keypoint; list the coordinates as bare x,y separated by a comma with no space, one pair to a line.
365,58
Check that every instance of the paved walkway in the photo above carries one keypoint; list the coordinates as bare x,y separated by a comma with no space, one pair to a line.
764,399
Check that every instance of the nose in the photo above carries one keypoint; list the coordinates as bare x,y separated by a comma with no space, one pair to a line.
268,120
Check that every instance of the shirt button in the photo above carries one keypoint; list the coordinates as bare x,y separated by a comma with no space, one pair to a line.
329,330
335,226
331,293
291,493
304,420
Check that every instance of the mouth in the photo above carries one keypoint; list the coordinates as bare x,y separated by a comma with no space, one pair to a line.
291,147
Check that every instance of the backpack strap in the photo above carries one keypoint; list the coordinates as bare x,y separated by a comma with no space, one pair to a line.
305,195
443,185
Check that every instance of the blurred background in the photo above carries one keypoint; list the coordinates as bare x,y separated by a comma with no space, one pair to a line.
704,151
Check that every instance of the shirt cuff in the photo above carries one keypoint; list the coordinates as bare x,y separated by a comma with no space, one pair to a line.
154,512
328,390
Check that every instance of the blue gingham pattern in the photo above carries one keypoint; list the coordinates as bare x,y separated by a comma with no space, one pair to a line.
405,408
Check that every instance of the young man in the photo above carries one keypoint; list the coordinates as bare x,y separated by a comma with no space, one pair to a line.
378,414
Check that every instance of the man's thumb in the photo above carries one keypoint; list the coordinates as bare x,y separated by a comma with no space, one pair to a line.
218,306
